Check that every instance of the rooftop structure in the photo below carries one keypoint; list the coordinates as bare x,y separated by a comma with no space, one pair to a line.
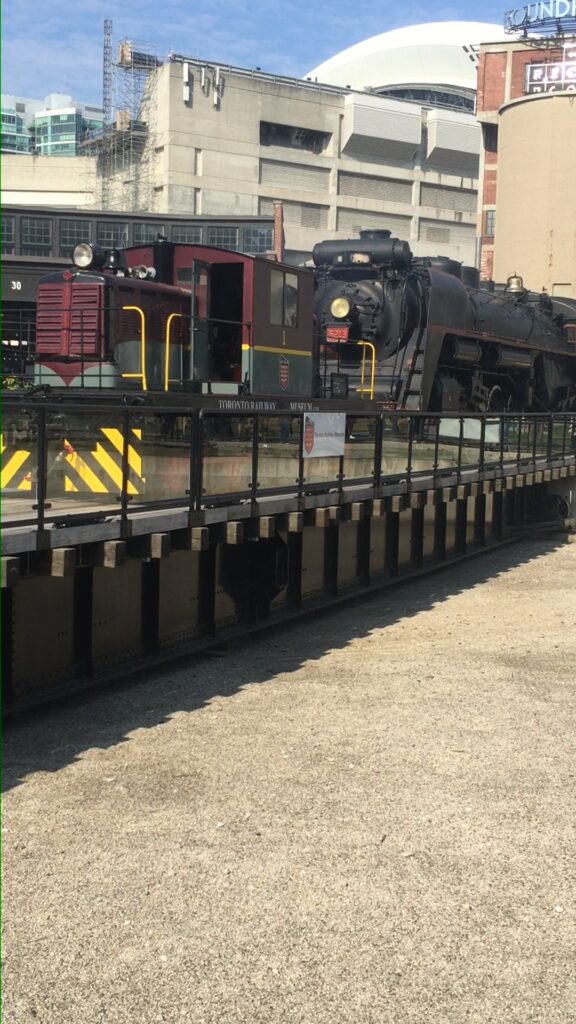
433,63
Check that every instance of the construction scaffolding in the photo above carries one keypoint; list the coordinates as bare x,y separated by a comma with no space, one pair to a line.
126,145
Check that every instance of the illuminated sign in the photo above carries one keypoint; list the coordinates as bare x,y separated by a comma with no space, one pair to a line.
555,76
553,18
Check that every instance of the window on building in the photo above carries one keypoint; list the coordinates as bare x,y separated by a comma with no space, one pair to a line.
224,238
146,234
490,137
36,236
8,236
489,223
188,234
112,233
283,298
293,137
431,97
258,241
72,232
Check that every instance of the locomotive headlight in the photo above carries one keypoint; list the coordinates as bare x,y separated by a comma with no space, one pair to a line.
340,308
85,255
82,255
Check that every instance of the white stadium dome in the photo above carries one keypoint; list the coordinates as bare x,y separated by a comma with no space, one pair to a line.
417,62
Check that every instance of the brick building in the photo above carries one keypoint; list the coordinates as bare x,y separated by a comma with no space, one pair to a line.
526,105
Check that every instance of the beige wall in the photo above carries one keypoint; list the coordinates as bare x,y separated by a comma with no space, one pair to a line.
535,232
50,180
208,160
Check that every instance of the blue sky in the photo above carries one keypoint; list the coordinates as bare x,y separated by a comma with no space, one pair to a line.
57,47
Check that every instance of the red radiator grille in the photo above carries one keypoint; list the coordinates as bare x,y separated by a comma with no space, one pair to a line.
69,319
85,319
50,318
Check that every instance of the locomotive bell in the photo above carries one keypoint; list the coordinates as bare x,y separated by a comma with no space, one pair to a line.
515,285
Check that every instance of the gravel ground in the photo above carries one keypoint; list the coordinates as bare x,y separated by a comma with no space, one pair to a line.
365,817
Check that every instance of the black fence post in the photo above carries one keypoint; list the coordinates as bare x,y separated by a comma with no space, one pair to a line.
42,467
200,439
125,471
549,438
460,444
192,463
409,459
300,480
378,450
255,440
341,474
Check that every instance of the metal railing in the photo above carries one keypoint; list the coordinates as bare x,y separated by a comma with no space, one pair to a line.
75,460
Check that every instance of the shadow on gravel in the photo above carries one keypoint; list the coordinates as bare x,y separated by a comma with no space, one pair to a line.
49,738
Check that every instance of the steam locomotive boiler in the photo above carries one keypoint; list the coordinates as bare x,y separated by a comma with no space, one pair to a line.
422,334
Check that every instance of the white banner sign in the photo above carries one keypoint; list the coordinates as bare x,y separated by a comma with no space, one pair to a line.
324,434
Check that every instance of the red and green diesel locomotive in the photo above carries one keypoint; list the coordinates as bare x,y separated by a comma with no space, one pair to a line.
172,317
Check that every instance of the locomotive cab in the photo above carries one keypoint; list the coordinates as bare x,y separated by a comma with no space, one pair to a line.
250,319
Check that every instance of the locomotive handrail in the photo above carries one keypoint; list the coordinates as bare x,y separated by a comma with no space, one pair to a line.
363,390
167,349
142,375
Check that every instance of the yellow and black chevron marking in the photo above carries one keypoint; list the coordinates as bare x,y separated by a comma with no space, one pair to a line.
16,469
99,470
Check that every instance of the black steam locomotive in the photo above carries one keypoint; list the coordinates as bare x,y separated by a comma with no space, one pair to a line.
422,334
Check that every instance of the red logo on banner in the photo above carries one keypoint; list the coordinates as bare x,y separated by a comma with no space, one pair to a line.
284,373
308,435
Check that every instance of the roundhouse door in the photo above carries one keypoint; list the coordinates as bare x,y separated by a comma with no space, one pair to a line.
200,321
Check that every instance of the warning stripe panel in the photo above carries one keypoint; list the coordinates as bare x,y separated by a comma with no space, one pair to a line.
83,472
97,470
100,469
116,437
16,469
12,465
